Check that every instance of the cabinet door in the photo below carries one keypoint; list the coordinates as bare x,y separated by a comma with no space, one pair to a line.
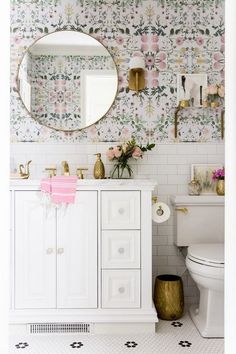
77,253
35,259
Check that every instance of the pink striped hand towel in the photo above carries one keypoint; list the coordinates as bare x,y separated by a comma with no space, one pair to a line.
63,189
46,185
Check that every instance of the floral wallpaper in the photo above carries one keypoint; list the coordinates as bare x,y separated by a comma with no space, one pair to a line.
56,87
174,36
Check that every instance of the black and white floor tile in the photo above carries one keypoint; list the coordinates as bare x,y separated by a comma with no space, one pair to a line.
171,337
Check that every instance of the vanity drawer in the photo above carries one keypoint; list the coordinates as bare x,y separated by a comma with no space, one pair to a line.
121,249
121,210
120,288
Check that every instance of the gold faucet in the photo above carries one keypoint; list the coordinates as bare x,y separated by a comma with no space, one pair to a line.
24,170
66,170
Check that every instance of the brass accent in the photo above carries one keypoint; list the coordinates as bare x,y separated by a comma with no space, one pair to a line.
220,187
214,104
80,173
136,79
46,125
222,123
51,170
154,199
66,170
182,104
183,210
169,297
24,170
99,169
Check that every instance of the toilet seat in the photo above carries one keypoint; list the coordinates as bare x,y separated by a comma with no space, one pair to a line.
211,255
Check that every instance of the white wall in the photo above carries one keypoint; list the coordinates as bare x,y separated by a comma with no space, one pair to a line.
169,164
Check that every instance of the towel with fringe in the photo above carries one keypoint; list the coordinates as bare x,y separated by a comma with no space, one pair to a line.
61,188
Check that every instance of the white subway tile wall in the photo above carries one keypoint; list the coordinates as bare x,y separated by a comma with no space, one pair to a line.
168,164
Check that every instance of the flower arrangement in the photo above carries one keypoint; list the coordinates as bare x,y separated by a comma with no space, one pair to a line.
122,153
218,174
215,93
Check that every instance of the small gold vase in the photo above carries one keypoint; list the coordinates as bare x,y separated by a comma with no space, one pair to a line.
220,187
169,297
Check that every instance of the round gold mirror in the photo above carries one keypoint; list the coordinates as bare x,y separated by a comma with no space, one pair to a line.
67,80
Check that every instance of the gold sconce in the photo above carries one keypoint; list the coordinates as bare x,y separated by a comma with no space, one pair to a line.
136,74
182,104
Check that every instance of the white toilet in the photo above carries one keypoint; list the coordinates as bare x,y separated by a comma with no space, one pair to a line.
199,224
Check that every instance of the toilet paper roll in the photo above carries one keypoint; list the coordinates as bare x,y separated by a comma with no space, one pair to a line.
160,212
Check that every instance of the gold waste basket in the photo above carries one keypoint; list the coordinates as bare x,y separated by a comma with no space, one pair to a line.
169,297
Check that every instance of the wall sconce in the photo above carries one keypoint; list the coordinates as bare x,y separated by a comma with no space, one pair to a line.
136,74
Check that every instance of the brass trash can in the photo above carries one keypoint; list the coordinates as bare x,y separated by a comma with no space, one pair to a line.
169,297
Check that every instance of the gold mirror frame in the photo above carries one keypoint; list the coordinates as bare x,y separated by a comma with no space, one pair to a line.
48,126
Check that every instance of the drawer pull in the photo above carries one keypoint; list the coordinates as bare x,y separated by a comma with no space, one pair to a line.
60,250
121,250
121,290
49,251
121,211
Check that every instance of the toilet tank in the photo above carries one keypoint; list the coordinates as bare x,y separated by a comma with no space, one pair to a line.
198,219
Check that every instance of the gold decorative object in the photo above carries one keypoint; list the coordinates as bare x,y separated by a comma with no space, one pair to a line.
80,173
66,170
194,187
220,187
182,104
24,170
99,169
169,297
136,74
214,104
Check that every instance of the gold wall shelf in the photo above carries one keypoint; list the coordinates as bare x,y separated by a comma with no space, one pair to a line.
185,104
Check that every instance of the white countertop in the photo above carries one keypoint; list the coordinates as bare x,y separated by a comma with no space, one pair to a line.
119,184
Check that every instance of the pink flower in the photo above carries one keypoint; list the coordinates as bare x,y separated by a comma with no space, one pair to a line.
154,83
110,154
119,40
144,47
117,151
144,38
154,47
211,90
179,40
154,38
149,60
199,40
137,153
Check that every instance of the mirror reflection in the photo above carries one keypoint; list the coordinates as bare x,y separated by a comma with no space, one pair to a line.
67,80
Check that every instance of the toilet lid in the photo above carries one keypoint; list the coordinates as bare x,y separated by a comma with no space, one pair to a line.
208,253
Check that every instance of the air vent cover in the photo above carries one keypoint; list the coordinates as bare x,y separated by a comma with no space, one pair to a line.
37,328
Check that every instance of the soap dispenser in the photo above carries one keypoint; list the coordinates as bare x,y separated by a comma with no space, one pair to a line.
99,169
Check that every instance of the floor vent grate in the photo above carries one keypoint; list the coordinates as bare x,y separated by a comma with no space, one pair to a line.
37,328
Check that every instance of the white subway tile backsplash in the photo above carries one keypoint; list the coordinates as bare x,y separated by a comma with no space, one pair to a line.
179,179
